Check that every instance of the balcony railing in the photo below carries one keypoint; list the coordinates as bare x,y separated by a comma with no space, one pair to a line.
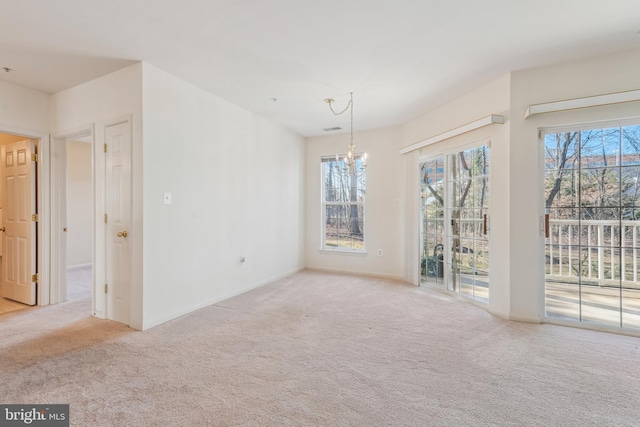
598,252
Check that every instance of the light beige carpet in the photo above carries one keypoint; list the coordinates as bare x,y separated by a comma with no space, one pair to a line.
321,349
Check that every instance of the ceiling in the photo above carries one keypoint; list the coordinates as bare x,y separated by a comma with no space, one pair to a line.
282,58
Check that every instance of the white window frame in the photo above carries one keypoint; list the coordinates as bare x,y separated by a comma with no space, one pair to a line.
323,206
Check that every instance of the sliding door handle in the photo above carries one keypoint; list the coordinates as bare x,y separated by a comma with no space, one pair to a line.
546,226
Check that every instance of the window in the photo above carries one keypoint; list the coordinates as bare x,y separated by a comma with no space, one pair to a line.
342,206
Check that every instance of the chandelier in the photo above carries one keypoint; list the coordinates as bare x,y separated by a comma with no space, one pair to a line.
350,166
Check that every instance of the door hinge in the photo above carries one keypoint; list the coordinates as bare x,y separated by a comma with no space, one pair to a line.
34,157
105,218
34,217
106,288
34,278
105,147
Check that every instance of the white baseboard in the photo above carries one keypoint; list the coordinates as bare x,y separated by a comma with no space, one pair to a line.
591,327
156,322
524,319
358,273
77,266
502,314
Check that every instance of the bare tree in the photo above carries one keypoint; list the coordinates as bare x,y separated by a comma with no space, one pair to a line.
563,143
426,182
484,172
354,220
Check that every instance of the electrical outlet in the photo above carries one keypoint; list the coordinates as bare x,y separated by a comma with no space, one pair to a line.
379,252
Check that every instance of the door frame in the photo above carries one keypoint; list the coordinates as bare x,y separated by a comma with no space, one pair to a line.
49,168
58,220
42,226
100,299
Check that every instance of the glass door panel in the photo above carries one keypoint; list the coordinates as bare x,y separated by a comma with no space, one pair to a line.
470,238
455,215
432,224
591,232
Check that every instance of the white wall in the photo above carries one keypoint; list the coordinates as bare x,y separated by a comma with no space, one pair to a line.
90,106
236,180
383,219
492,98
23,109
595,76
79,204
237,186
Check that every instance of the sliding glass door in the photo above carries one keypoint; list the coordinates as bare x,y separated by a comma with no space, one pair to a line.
455,222
592,227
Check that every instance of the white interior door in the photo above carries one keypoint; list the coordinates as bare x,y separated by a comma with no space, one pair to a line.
118,203
19,235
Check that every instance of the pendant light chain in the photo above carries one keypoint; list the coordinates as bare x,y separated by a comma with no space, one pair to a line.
351,104
350,158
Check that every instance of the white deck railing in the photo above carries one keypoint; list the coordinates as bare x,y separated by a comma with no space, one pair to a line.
590,249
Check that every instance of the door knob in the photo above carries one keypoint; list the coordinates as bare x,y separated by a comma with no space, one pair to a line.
2,229
122,234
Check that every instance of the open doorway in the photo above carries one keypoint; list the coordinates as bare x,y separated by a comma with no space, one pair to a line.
105,267
72,217
110,218
64,166
79,217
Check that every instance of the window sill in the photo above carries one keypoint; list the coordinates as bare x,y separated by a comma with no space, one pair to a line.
342,252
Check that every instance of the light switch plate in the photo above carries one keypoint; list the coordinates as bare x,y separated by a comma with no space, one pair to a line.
167,198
